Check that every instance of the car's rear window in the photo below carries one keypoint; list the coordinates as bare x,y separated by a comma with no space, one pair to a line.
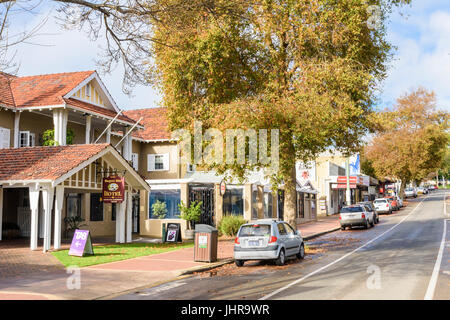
255,230
380,201
351,209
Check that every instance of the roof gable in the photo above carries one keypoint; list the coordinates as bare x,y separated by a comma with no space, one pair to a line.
45,90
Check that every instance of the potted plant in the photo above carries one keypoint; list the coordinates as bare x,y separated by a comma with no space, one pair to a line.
73,223
159,210
191,214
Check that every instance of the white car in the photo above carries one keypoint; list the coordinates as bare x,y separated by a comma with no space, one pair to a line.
410,193
399,201
356,215
383,205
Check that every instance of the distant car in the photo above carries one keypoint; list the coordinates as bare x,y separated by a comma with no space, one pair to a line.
371,207
410,193
394,203
382,205
267,239
422,190
356,215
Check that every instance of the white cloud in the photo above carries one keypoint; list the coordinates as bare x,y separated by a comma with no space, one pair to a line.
422,58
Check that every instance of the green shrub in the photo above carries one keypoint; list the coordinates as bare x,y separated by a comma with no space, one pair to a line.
159,209
229,225
48,137
192,213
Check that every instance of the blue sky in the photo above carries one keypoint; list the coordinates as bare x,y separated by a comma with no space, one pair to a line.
421,33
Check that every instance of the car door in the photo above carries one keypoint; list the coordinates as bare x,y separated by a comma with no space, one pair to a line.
292,240
282,236
370,213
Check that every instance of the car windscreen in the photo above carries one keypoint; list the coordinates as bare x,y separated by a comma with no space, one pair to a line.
351,209
255,230
380,201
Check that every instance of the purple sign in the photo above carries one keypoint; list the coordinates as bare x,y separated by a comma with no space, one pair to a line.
81,244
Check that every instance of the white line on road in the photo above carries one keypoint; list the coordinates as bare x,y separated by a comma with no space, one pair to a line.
434,276
340,259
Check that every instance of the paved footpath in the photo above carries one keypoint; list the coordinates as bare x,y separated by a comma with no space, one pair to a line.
26,274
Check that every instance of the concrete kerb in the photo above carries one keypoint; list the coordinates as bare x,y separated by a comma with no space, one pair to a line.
318,234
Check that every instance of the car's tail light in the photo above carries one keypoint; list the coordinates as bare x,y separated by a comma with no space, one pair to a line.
237,240
387,205
340,217
363,215
273,239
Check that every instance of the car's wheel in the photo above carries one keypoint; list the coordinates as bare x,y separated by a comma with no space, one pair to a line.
342,228
239,263
366,226
378,220
301,252
281,258
372,224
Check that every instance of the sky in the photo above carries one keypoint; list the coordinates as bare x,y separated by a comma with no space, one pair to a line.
421,33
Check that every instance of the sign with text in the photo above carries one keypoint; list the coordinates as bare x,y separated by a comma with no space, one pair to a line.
113,189
81,244
173,232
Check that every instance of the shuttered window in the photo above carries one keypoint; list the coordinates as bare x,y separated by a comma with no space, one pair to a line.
5,138
158,162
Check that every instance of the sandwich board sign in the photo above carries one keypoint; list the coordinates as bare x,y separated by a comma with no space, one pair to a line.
173,232
81,244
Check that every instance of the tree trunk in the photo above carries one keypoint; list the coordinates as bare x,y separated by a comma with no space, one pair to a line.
290,197
401,193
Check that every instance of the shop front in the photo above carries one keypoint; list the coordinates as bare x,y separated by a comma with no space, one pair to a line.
49,191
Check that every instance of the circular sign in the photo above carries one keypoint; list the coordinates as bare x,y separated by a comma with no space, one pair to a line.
113,187
223,187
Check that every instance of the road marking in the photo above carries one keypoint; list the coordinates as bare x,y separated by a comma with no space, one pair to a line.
340,259
434,276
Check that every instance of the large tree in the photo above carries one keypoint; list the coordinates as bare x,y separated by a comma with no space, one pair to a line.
412,141
307,67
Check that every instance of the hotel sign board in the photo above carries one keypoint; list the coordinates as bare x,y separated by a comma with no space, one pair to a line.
113,189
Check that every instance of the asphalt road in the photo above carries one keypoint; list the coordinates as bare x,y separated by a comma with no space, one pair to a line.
405,256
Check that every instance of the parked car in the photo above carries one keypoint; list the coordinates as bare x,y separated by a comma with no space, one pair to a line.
371,208
394,203
410,192
356,215
382,205
422,190
267,239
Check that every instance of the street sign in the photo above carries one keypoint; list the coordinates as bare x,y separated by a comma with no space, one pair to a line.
81,244
343,180
223,187
113,189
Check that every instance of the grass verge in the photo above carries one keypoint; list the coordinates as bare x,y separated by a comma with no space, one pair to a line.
117,252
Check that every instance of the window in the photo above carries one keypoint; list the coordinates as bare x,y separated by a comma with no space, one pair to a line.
268,205
191,167
289,230
255,230
135,161
96,207
281,230
233,202
170,197
300,205
73,205
158,162
26,139
5,135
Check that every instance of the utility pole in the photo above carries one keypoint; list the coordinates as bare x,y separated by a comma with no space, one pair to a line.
348,192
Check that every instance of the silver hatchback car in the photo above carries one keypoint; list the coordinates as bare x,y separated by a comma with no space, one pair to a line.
267,239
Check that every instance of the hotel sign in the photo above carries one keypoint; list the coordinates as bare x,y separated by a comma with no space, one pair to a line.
113,189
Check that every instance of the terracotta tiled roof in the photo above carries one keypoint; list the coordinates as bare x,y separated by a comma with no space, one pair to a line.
6,96
45,90
90,107
44,163
154,121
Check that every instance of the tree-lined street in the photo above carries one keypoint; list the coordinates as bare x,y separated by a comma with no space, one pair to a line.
394,260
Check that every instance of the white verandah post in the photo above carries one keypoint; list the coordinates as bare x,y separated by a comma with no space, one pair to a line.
47,199
34,206
58,210
1,212
129,215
